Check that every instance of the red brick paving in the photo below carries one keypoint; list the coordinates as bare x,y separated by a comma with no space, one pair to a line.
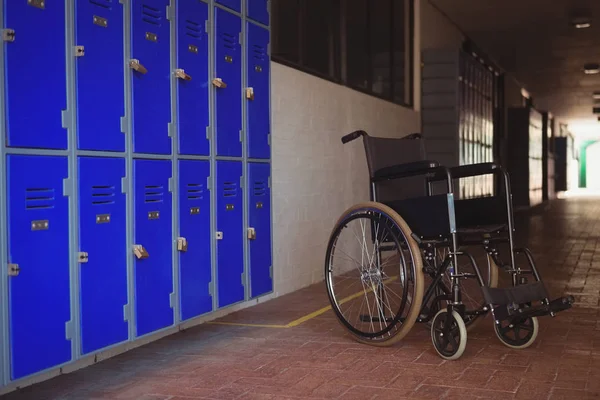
317,360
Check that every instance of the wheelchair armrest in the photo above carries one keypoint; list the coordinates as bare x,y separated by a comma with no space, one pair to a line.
464,171
405,170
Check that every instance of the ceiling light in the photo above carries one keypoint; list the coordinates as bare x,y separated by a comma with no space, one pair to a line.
581,22
582,25
591,68
596,95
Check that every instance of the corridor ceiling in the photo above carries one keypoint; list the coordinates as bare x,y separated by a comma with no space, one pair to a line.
535,41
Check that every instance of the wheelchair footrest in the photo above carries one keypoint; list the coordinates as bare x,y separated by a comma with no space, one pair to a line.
555,306
519,294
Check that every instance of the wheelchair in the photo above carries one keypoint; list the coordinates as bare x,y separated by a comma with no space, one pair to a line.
394,261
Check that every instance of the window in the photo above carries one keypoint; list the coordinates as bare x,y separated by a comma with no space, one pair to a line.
363,44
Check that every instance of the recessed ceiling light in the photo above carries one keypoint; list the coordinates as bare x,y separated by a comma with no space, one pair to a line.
581,21
591,68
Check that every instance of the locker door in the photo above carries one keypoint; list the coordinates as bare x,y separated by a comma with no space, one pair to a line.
38,234
229,94
35,83
102,235
153,274
230,225
151,75
259,215
100,87
192,58
259,124
232,4
194,222
258,10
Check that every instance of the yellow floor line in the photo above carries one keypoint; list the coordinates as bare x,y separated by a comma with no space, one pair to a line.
303,319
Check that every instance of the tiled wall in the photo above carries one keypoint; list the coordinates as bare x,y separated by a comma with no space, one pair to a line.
315,177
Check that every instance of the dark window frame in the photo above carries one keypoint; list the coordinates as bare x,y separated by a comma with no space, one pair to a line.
339,57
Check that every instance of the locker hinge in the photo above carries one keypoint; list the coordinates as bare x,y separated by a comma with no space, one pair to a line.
13,269
211,288
269,48
241,182
171,182
208,133
240,38
82,257
126,312
79,51
242,278
67,187
208,183
269,139
207,26
124,124
65,119
8,35
170,13
271,271
172,300
172,128
124,185
69,330
241,136
269,182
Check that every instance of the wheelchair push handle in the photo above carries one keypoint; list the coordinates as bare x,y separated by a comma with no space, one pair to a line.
352,136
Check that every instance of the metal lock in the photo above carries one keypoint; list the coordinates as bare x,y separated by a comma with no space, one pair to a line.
251,233
219,235
8,35
182,244
250,93
82,257
180,73
135,65
13,269
41,4
103,22
79,51
218,82
140,252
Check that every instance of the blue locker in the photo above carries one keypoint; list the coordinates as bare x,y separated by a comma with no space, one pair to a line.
153,231
230,230
259,224
151,76
102,236
258,92
194,242
235,5
258,10
228,83
193,87
100,86
38,234
35,82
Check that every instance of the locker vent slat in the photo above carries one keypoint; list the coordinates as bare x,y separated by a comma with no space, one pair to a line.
195,191
193,29
259,52
39,198
102,3
102,195
260,188
153,194
151,15
230,189
228,40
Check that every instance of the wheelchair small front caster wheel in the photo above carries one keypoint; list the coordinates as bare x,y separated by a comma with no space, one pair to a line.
517,333
449,335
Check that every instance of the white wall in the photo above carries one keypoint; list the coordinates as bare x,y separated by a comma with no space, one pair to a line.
315,177
436,30
592,167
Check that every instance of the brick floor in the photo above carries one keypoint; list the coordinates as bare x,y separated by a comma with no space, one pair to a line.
317,360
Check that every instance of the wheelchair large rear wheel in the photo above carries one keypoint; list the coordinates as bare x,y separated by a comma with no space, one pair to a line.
373,274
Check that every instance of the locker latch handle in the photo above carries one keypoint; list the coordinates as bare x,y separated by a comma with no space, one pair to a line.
251,233
135,65
180,73
13,269
218,82
182,244
250,93
140,252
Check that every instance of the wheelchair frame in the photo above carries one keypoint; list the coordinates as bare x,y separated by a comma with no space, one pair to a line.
513,305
